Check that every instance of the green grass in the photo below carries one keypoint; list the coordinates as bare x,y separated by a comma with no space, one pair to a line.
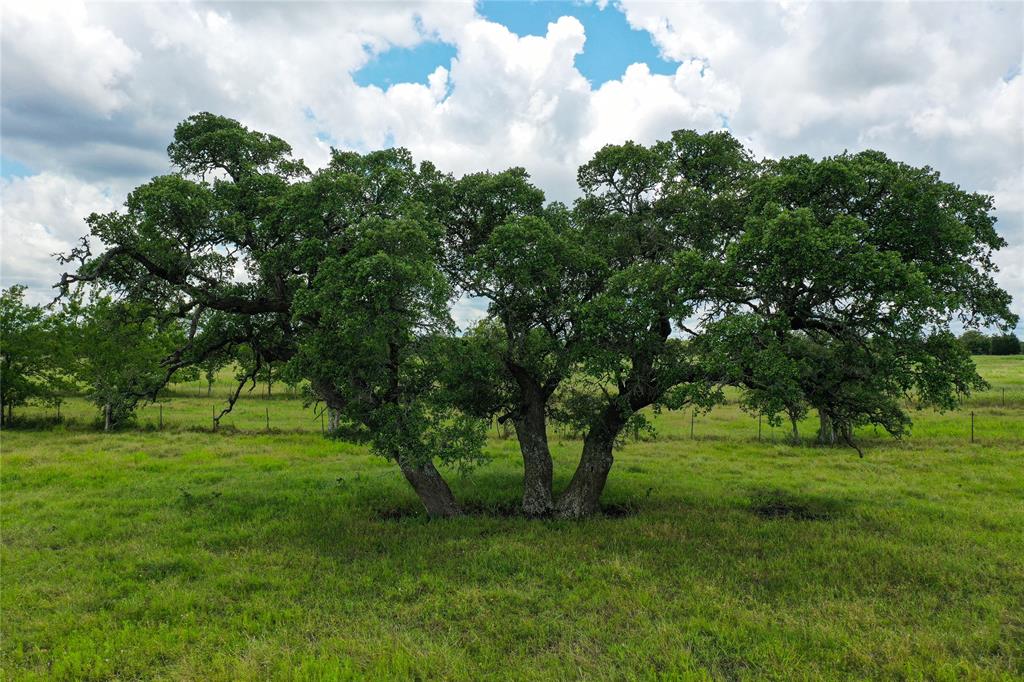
239,555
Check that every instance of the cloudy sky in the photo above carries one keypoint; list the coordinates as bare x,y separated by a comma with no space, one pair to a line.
91,92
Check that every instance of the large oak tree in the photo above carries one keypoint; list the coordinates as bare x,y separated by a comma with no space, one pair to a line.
685,265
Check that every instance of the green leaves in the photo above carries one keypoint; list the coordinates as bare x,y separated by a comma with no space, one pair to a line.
33,357
684,266
206,142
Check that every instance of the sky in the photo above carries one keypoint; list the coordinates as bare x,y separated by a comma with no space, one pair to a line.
90,92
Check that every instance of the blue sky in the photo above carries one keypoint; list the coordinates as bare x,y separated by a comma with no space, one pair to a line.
12,168
611,45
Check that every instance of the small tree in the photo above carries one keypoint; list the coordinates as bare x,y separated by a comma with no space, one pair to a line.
33,357
119,349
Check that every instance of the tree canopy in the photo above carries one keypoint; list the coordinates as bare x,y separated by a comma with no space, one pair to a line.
684,266
32,355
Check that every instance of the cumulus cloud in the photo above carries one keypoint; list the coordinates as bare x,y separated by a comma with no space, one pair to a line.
41,215
933,84
57,49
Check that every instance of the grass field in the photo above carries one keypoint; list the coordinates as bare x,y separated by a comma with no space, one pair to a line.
246,554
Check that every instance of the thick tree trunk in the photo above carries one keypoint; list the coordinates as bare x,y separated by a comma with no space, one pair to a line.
531,430
333,420
826,430
432,490
530,421
582,497
106,417
425,479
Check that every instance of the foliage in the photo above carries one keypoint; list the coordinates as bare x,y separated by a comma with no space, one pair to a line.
826,285
33,353
853,268
341,284
1006,344
976,342
118,349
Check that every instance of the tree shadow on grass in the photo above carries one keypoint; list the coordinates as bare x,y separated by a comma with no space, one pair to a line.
500,509
775,503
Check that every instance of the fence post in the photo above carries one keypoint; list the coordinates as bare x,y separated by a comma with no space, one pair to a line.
693,413
268,419
972,426
1003,401
759,427
161,417
322,432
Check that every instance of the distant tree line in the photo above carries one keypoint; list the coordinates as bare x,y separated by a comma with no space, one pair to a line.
997,344
685,266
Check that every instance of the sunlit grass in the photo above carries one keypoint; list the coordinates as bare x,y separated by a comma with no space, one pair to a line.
241,554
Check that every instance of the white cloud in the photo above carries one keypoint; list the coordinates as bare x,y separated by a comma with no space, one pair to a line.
57,48
41,215
927,83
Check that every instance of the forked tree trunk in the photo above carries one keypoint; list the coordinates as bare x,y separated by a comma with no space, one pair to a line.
531,430
583,496
432,489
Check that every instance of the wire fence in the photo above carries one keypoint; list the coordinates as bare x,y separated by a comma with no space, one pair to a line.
994,415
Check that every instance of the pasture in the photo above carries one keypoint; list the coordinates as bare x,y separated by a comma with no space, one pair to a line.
250,554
